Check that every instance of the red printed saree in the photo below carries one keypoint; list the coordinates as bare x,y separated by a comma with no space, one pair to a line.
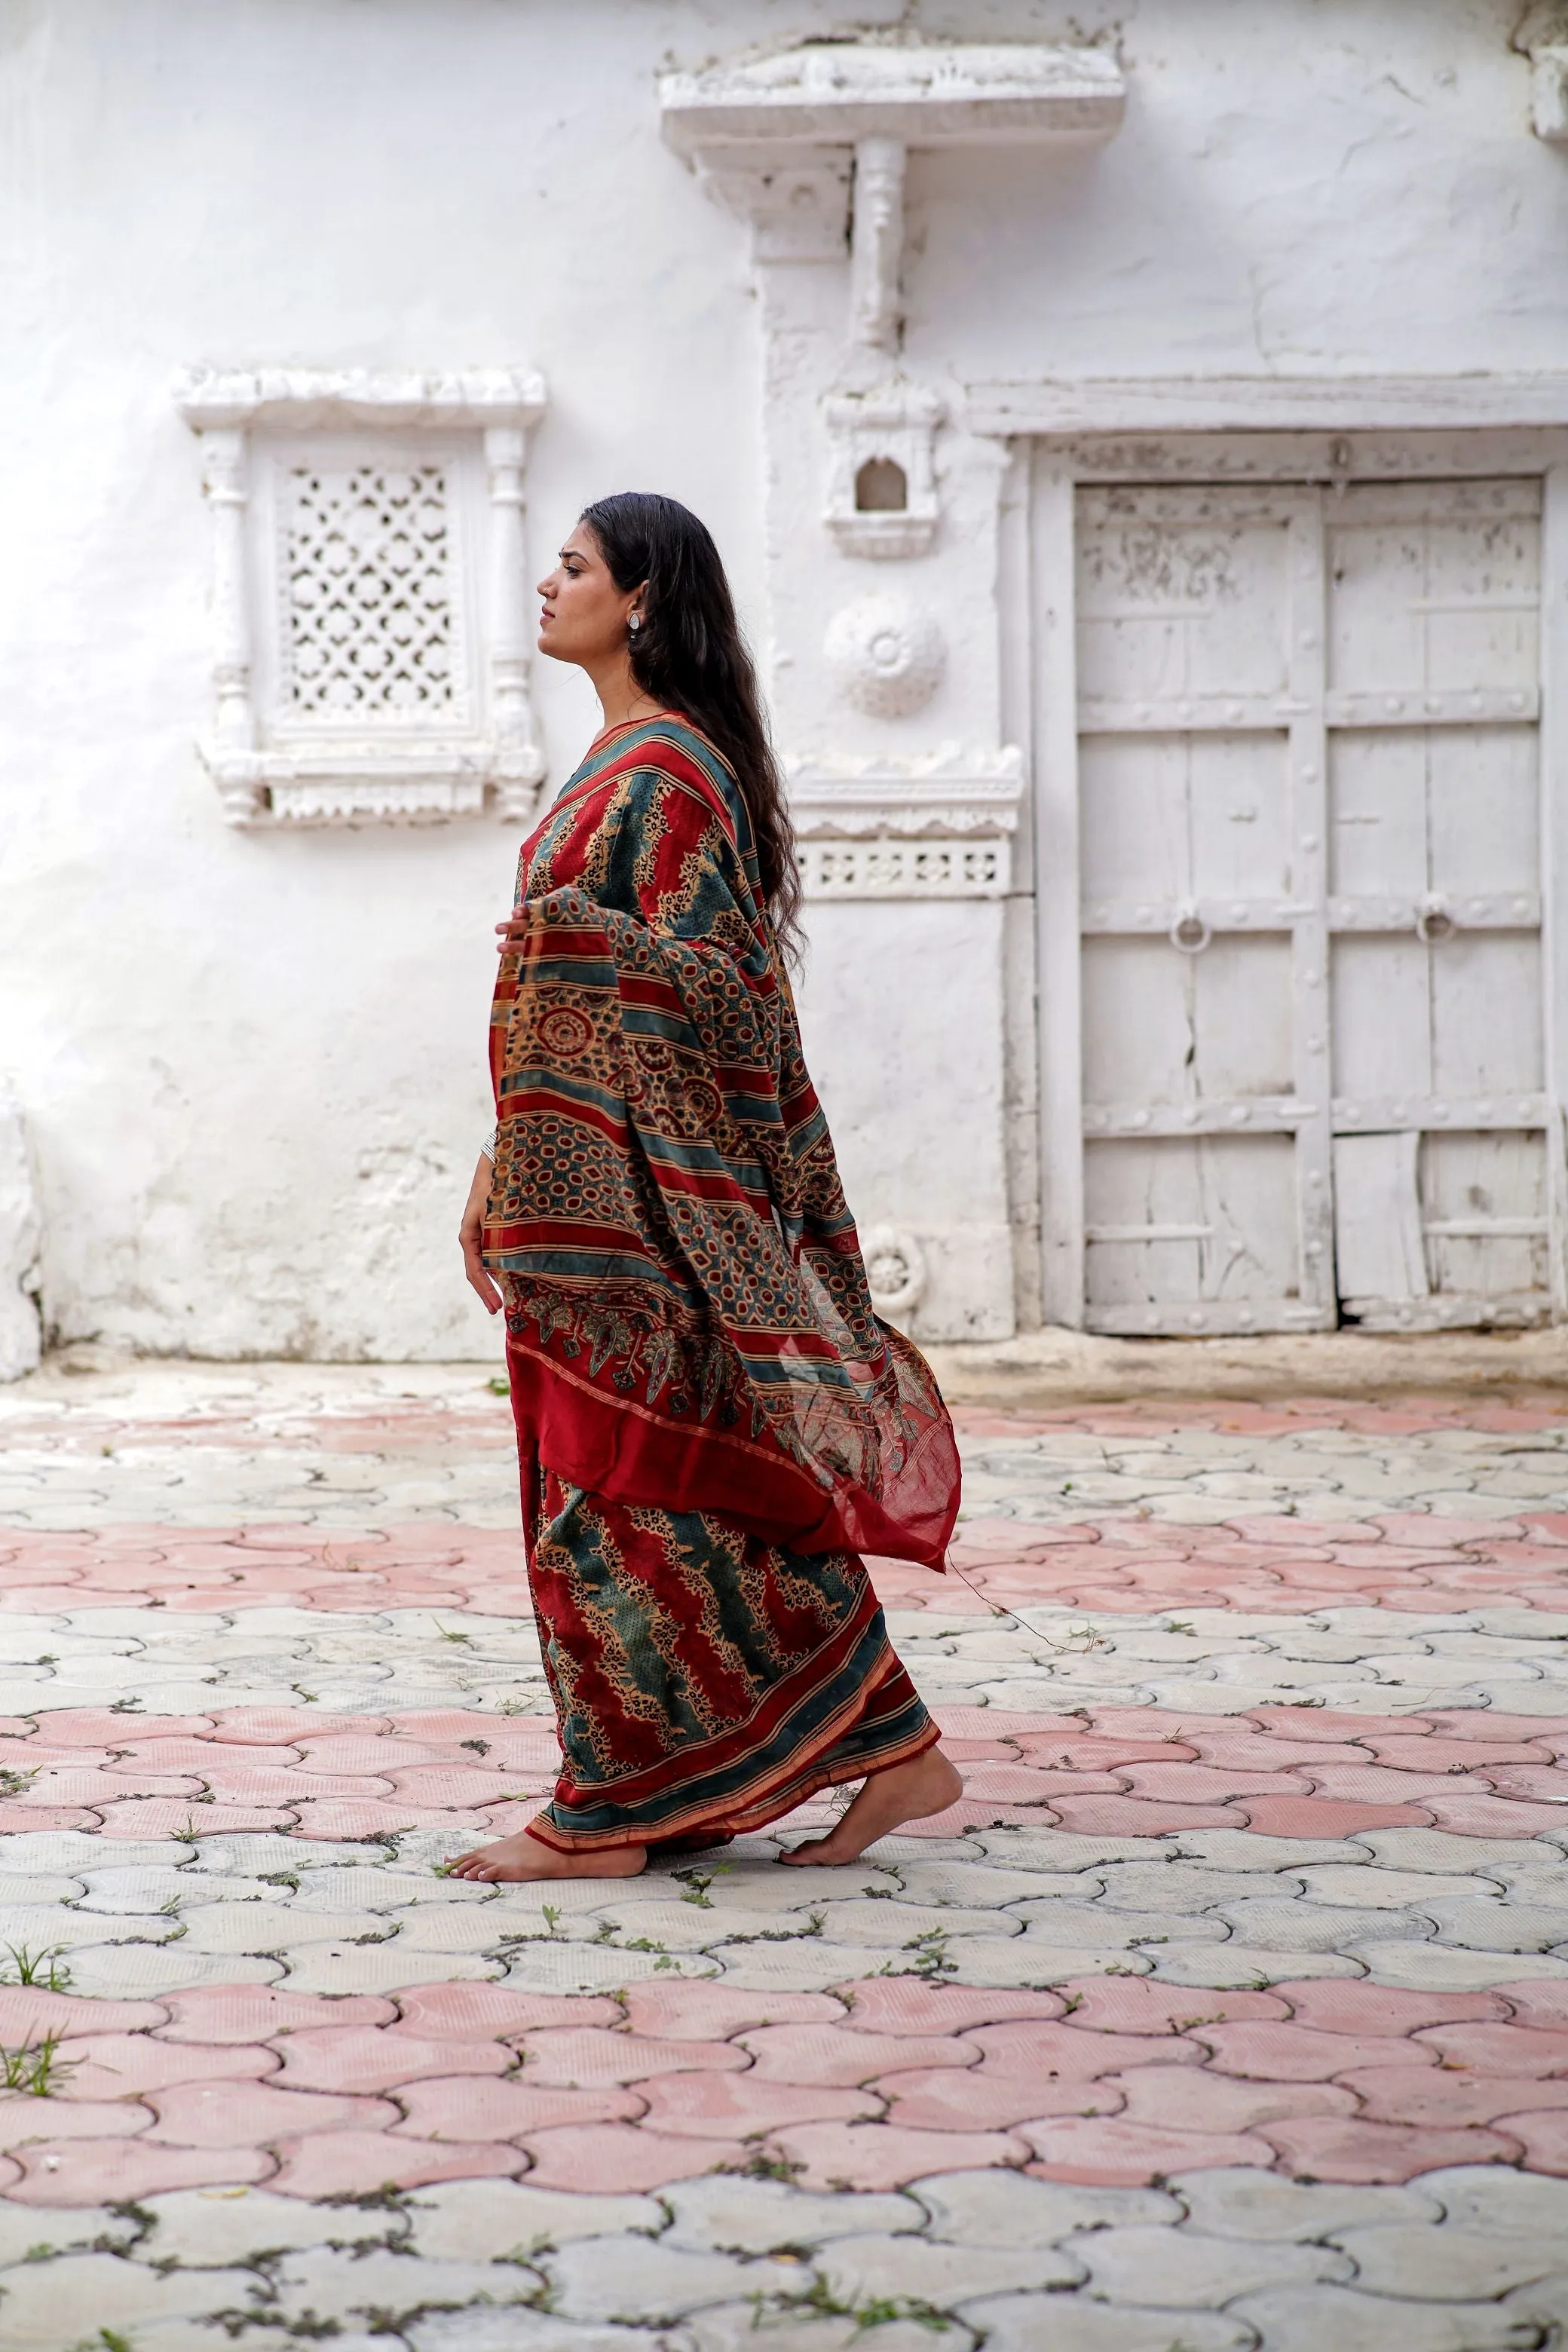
712,1422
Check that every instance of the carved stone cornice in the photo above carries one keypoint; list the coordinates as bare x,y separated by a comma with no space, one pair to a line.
211,399
936,825
924,96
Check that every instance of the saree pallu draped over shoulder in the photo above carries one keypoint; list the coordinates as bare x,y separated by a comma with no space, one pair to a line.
711,1419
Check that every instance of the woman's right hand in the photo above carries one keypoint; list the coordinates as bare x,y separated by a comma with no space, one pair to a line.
470,1237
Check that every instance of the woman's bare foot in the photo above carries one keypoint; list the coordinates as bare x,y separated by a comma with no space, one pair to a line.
904,1792
526,1857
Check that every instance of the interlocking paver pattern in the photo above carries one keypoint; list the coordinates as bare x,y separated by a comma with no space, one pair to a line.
1228,2008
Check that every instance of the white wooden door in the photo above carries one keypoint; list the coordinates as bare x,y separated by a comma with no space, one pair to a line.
1311,985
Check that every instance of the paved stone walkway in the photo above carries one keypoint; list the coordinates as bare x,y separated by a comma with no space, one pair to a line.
1229,2007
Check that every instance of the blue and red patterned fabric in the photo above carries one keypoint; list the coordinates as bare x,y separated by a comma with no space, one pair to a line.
688,1320
705,1682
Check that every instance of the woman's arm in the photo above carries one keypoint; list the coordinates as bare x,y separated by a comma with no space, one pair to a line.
470,1232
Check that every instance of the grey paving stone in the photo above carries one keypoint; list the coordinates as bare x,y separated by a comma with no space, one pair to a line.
1012,2208
51,2306
1071,2323
1187,2270
633,2279
1443,2263
1495,2196
481,2330
727,2213
380,2288
869,2270
472,2221
1242,2202
1313,2318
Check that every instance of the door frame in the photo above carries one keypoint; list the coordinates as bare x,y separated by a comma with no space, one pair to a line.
1279,430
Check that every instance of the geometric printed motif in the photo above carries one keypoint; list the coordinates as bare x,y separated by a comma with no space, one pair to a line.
370,619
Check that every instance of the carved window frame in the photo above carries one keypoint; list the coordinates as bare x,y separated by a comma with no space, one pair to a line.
276,764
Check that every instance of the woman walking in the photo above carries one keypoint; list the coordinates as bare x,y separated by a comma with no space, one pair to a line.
712,1424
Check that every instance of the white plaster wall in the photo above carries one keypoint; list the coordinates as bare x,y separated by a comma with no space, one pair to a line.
251,1068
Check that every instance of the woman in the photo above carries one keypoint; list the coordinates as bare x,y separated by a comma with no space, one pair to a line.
712,1421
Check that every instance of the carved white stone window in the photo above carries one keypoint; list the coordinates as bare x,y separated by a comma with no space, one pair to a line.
370,595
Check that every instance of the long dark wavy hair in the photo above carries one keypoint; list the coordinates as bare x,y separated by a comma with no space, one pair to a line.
690,656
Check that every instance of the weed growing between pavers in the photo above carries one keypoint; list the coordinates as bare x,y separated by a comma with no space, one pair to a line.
43,1970
34,2067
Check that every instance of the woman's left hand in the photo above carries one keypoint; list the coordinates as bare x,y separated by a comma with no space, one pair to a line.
470,1237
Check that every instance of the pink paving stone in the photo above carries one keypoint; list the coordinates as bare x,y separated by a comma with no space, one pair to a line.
1299,2054
1487,1724
161,1817
742,2106
246,2012
368,1817
587,2055
1369,1783
1139,1817
95,1787
710,2012
1496,2049
481,2107
1323,1817
1337,2006
100,1727
28,2013
473,2012
124,2065
24,2119
203,1757
364,2058
1447,2094
885,2155
620,2159
1139,2005
1543,2139
1030,1784
342,1752
1042,2052
445,1785
1434,1752
1184,2098
224,2114
827,2055
1206,1784
934,2098
267,1727
18,1814
902,2005
121,2171
1545,1781
235,1782
1334,2148
358,2163
1090,1752
1544,2003
1108,2153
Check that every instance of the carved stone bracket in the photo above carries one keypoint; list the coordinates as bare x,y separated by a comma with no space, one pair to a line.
937,825
370,660
739,124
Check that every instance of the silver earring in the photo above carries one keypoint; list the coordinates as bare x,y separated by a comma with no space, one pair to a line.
634,622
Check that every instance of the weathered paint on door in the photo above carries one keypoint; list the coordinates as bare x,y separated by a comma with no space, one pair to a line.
1311,972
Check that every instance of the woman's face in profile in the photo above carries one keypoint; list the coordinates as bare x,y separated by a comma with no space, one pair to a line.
584,616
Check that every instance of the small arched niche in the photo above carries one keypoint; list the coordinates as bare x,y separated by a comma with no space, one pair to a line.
881,487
